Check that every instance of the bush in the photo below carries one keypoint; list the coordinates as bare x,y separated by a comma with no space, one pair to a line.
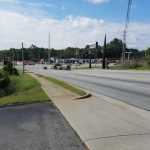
15,72
5,84
4,80
148,61
10,69
135,66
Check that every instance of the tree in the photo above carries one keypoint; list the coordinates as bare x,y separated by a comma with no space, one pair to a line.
114,48
147,52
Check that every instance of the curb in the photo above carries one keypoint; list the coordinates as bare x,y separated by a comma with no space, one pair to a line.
88,95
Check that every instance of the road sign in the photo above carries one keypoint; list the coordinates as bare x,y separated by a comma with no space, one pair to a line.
93,46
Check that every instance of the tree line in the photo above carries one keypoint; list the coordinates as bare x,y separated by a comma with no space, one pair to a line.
34,53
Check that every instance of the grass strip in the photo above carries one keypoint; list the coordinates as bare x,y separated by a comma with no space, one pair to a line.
27,90
65,85
128,67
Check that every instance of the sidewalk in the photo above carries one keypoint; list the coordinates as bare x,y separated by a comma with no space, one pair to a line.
102,123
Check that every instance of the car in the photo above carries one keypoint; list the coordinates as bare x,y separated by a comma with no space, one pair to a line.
57,66
68,67
62,67
45,68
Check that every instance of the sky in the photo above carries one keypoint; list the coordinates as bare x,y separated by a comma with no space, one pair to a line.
74,23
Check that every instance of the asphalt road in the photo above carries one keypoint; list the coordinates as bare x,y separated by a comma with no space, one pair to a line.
131,87
36,127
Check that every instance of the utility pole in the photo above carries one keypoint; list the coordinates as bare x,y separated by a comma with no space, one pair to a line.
49,46
125,31
90,59
96,52
77,58
23,58
104,56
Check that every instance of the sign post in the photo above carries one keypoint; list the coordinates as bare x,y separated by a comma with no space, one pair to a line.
92,46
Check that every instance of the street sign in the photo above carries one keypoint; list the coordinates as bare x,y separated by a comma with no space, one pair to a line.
93,46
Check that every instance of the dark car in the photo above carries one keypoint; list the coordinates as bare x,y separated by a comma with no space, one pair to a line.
45,68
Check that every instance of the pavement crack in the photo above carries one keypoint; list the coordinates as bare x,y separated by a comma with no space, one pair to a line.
116,136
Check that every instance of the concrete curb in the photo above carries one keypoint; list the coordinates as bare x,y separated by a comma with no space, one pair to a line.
88,95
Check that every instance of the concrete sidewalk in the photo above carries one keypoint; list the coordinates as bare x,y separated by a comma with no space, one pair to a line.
102,123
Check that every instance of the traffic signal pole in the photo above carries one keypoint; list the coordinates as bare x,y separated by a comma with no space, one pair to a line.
104,56
90,61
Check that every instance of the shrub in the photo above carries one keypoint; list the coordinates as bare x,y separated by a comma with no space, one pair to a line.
148,61
10,69
5,84
4,80
135,66
15,72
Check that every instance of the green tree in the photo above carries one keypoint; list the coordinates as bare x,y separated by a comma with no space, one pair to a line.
114,48
147,52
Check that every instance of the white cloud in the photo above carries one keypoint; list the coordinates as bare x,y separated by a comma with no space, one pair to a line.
97,1
71,31
9,1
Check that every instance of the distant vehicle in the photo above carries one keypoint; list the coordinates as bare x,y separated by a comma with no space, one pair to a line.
68,67
57,66
45,68
29,63
62,67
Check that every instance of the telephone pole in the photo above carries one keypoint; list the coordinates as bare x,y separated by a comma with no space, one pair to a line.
49,46
23,58
125,30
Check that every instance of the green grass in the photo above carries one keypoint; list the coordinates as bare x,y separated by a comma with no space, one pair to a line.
126,67
65,85
27,90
